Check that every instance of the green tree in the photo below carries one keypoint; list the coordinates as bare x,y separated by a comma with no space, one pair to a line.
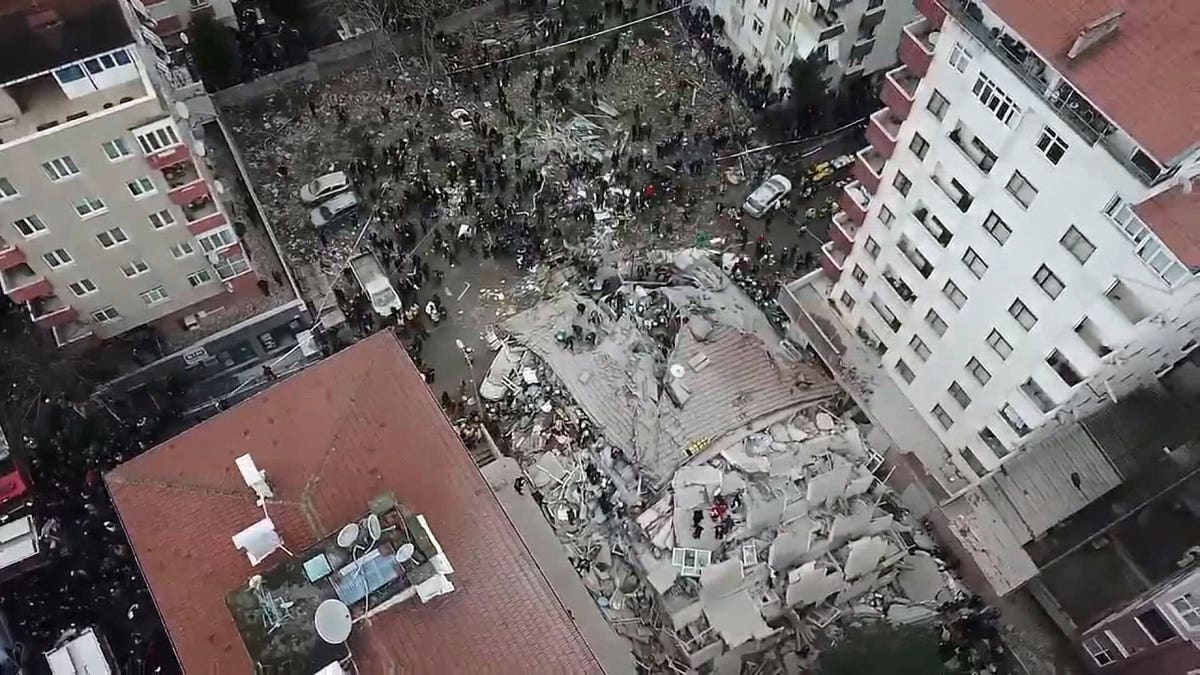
808,102
215,48
883,649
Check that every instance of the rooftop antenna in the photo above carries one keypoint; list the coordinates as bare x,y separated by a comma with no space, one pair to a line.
255,480
274,612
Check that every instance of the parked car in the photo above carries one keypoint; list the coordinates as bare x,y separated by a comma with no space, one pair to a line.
767,196
335,210
370,275
324,187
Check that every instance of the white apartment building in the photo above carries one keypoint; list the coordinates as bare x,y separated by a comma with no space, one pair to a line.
174,16
1021,240
855,37
107,221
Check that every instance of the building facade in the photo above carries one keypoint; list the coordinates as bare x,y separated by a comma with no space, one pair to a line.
1155,634
854,38
1015,243
107,220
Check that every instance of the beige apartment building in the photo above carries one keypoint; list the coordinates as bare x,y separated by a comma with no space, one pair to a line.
107,220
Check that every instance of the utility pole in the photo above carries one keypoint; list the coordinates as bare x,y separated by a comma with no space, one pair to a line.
487,435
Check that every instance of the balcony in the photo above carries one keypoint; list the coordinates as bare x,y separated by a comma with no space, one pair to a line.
72,331
51,311
821,24
955,191
1037,395
41,105
1089,334
883,132
914,256
899,91
868,169
21,284
186,184
10,256
933,225
843,232
1127,303
1063,368
902,289
832,260
888,316
168,157
207,217
855,201
976,151
917,42
932,10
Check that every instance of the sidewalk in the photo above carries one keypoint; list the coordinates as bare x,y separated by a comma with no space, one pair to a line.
610,649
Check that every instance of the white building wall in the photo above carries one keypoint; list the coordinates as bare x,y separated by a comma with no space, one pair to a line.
1073,192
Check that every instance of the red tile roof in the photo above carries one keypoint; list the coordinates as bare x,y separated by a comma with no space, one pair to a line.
1143,77
1174,216
330,439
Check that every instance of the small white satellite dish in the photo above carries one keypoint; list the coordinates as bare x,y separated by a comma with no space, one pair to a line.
219,187
348,535
332,621
405,552
181,110
255,581
374,527
677,370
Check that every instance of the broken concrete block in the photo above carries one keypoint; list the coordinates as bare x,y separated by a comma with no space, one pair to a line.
811,585
737,457
900,613
546,470
859,485
791,545
828,486
659,571
864,556
796,434
779,433
825,421
718,580
853,525
707,476
881,524
921,580
688,614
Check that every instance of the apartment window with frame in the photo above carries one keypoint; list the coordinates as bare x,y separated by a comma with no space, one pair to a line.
998,344
918,346
1077,244
960,58
954,294
1048,282
161,219
29,226
871,247
1187,608
886,216
141,187
231,267
7,191
60,168
158,139
995,100
57,258
1051,145
977,371
902,183
1021,189
116,149
82,287
1021,313
134,267
996,227
859,275
975,263
938,105
847,300
788,17
1155,626
1099,651
89,207
959,395
944,420
918,145
780,45
155,295
905,372
199,278
182,250
757,26
106,315
217,239
112,237
936,323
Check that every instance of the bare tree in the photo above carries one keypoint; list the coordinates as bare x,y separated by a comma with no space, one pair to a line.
395,21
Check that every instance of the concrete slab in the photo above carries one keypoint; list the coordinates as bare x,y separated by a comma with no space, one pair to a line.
865,555
921,579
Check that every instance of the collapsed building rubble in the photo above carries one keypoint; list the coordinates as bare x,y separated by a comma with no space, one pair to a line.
717,508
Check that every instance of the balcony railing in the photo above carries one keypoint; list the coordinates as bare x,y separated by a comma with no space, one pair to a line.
844,231
832,260
178,175
912,255
902,289
932,10
855,201
888,316
868,168
10,256
977,153
916,46
883,132
50,311
22,284
1038,395
933,225
72,331
954,190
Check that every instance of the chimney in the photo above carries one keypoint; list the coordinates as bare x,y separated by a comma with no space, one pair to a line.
1094,32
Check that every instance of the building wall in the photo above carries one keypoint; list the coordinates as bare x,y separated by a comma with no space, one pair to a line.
1073,192
1130,646
222,10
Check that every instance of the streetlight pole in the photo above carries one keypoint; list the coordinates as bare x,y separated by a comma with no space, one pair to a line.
466,353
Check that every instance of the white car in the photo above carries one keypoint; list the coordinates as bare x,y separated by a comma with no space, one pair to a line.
767,196
324,187
335,209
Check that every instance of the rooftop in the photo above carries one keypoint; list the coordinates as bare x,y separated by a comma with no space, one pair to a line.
331,439
1172,216
1141,76
70,31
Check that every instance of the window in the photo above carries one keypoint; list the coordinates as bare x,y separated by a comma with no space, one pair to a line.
141,187
158,139
89,207
780,45
977,371
1049,283
1021,189
82,287
1013,419
161,219
7,191
69,74
886,216
1052,145
955,294
919,145
134,267
1187,608
788,16
61,168
974,263
1144,165
116,149
29,226
155,295
859,275
57,258
905,372
997,228
199,278
919,348
935,322
847,300
943,419
1155,626
182,250
1021,313
1098,651
902,183
757,26
995,100
110,238
998,344
872,248
960,58
1077,244
106,315
231,267
1149,248
938,105
959,395
217,239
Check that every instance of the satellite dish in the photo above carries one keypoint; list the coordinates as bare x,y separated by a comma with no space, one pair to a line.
332,621
677,370
374,528
405,552
219,187
181,110
348,535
